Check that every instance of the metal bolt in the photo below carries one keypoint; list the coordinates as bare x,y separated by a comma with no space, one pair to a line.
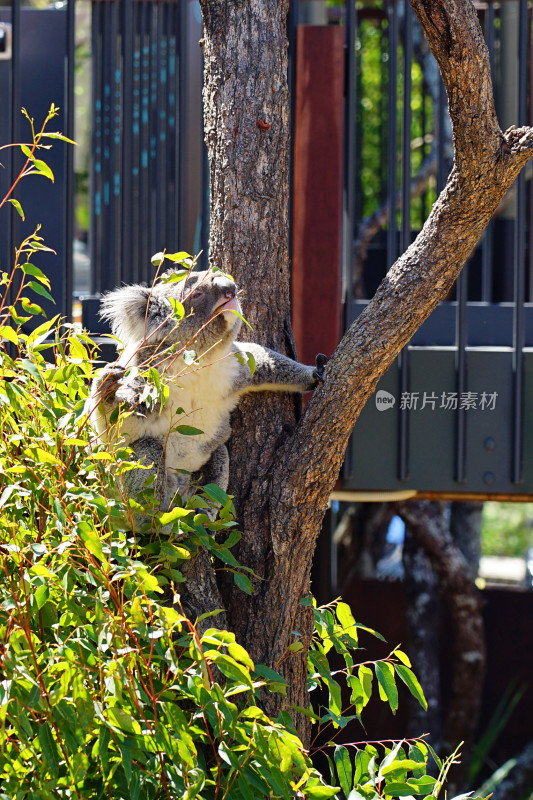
488,477
489,443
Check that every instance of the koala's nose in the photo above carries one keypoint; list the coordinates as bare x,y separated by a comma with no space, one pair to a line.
225,286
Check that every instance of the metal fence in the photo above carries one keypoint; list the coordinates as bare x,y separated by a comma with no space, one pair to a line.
37,54
438,432
143,187
141,141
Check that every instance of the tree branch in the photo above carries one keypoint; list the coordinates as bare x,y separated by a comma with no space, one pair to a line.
282,483
486,164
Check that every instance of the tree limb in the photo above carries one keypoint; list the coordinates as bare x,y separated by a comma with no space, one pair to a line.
282,483
486,164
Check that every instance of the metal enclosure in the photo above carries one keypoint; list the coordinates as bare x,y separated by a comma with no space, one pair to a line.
429,427
34,73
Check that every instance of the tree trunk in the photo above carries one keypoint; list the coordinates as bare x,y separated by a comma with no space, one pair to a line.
423,609
246,101
429,527
465,528
282,478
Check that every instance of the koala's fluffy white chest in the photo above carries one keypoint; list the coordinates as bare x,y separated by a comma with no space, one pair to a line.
201,398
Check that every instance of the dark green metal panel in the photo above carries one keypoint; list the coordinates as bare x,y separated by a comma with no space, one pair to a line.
433,431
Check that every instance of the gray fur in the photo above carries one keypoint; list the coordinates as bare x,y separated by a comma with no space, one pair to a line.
201,395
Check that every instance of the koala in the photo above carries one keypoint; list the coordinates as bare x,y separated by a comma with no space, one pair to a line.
206,371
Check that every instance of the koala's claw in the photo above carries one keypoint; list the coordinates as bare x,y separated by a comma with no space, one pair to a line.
109,383
113,391
321,360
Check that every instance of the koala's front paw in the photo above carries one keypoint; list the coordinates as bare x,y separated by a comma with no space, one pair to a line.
108,384
318,373
115,389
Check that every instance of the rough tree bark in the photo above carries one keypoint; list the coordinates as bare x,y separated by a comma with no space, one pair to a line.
282,477
422,610
425,581
429,527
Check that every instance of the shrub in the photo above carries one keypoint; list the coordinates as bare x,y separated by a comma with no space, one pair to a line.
107,689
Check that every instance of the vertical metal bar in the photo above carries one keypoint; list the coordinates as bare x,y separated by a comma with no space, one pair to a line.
114,141
111,142
96,147
392,241
519,262
348,224
162,144
166,143
15,116
357,92
162,147
136,219
170,237
461,374
424,129
487,255
177,13
383,95
405,231
154,128
123,179
392,244
145,138
69,161
155,244
488,236
461,335
181,195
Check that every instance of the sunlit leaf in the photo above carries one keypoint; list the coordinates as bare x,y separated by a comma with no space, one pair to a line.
344,768
412,683
385,676
17,206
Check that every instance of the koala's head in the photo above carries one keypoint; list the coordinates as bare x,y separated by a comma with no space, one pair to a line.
140,315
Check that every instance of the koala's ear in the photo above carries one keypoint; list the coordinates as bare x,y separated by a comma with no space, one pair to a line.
125,311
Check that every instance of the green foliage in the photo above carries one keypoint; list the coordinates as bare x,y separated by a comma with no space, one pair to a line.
506,529
364,769
336,629
107,689
509,700
373,91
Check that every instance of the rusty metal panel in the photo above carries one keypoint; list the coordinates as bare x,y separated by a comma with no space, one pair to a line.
317,193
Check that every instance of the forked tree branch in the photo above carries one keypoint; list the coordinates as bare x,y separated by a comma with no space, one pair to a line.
282,482
485,165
